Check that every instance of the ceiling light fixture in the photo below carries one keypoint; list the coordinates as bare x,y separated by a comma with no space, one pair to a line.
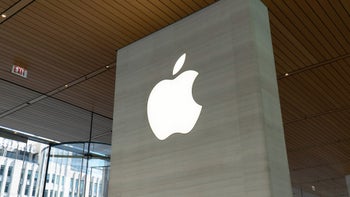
313,188
3,15
286,74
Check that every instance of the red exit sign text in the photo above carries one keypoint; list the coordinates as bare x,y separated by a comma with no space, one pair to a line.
19,71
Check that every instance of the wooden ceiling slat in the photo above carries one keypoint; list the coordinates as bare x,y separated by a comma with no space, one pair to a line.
178,7
115,23
318,131
56,51
135,16
326,88
343,70
303,92
289,90
62,30
210,2
329,124
319,28
153,13
96,94
277,17
290,111
313,86
143,12
312,127
280,70
331,83
308,30
97,25
29,46
185,7
346,5
192,5
288,52
4,4
333,17
288,63
201,3
128,20
300,42
341,11
37,75
166,9
283,41
340,79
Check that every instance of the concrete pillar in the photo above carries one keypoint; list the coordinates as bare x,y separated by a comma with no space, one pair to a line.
236,148
347,179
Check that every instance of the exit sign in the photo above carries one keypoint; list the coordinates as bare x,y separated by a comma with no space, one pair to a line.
19,71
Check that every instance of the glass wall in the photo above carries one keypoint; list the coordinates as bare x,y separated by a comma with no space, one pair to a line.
19,167
78,169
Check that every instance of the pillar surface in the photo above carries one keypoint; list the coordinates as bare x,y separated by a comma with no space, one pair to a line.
236,147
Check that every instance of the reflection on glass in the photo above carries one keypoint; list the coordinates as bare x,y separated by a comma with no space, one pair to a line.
76,169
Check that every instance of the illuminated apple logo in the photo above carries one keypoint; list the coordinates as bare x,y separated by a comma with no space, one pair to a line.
171,108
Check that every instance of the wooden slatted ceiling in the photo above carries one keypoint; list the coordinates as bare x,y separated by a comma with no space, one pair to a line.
4,4
100,100
311,41
59,41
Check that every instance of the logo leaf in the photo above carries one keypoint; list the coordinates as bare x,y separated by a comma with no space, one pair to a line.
179,63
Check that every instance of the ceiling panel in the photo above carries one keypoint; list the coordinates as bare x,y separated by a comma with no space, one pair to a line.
312,51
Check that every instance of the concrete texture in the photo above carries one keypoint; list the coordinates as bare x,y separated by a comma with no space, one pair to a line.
237,146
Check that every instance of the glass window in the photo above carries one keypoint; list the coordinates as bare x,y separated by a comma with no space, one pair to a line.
95,189
81,188
9,171
34,188
100,189
29,176
21,182
76,185
26,191
36,177
2,169
20,152
11,154
90,188
48,178
7,186
52,178
71,184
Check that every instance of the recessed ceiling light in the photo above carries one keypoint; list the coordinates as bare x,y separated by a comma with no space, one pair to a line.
3,15
286,74
66,86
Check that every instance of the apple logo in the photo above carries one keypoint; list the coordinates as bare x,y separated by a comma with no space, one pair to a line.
171,107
